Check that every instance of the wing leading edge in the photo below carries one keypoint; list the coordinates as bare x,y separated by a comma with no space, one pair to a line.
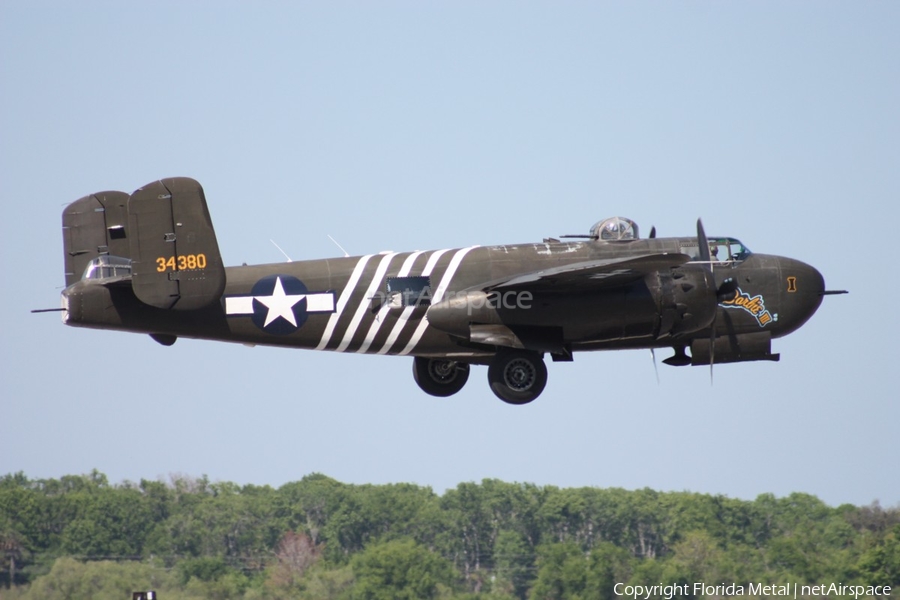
586,275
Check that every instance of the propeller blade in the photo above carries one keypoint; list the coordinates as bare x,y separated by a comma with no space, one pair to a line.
706,257
703,242
726,290
712,348
655,368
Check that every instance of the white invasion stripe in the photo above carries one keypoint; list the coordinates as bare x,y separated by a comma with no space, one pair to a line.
376,324
239,305
342,300
401,322
365,301
442,288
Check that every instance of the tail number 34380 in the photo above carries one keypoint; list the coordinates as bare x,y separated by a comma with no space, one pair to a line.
183,262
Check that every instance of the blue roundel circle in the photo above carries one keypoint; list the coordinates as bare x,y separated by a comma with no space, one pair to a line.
279,304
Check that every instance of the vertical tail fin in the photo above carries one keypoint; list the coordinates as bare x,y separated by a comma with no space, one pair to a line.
174,253
94,226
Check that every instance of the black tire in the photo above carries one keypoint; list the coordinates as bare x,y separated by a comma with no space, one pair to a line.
440,377
517,376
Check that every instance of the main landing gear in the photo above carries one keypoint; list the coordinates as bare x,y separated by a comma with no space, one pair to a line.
439,376
515,376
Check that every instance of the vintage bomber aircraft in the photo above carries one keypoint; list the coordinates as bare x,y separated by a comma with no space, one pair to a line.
149,263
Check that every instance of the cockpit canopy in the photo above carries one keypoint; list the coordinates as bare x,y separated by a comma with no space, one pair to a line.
621,229
721,250
615,229
106,267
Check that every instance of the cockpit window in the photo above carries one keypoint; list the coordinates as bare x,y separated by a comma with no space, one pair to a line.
105,267
721,250
737,250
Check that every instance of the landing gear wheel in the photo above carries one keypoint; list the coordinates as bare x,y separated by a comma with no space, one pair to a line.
517,376
440,377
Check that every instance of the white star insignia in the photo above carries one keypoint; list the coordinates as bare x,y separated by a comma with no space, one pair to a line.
280,304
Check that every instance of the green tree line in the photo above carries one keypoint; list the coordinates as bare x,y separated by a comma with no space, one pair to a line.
80,536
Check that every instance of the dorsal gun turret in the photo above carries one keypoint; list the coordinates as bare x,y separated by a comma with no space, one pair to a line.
615,229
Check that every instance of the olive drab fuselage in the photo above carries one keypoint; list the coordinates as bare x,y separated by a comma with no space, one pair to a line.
626,316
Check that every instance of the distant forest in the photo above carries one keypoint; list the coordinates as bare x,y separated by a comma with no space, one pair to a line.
81,537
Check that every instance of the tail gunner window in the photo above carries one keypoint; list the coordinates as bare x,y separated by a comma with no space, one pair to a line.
106,267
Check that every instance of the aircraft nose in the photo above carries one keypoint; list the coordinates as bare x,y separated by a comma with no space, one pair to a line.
801,295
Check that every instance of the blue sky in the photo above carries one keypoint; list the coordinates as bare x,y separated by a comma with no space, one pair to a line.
401,126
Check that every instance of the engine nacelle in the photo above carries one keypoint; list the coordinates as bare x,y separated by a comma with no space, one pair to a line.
454,314
688,301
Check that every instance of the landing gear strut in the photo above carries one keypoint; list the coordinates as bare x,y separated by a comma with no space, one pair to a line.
517,376
439,376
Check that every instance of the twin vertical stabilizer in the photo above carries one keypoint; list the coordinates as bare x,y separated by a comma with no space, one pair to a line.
163,228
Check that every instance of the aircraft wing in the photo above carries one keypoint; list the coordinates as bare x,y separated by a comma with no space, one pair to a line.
588,275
